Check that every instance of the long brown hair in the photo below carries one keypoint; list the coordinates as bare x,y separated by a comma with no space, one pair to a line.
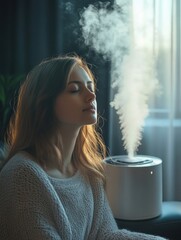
34,126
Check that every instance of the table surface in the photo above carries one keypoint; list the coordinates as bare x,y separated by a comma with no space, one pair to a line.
168,224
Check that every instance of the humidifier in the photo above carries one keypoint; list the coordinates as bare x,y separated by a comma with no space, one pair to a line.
134,186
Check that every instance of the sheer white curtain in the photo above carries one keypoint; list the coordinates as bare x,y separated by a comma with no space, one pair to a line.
157,24
161,23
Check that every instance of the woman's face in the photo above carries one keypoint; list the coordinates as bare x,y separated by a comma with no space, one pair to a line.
77,105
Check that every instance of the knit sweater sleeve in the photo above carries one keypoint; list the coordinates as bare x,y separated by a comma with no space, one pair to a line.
28,204
107,227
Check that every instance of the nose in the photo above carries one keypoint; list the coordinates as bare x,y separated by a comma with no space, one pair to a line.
91,96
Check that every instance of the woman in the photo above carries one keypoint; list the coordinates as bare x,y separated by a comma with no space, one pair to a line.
51,186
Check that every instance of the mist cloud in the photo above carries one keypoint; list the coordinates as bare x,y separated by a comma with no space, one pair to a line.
108,30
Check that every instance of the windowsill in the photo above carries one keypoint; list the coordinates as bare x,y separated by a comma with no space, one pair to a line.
152,122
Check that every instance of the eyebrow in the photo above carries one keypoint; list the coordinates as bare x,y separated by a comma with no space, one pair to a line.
79,82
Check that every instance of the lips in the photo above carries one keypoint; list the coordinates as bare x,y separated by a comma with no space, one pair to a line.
90,108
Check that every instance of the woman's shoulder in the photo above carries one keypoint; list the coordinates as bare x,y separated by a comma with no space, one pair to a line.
22,165
97,185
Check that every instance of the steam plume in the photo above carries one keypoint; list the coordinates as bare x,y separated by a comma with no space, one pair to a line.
108,30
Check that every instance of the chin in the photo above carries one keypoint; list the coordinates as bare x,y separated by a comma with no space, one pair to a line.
91,122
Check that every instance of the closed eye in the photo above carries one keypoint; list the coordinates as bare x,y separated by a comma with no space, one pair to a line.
74,88
90,86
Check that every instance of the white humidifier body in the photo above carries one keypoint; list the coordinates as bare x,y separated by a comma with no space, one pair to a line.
134,188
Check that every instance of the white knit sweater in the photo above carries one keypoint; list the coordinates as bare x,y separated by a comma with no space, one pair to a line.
35,206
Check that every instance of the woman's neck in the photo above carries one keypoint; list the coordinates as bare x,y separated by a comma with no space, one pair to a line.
68,138
68,141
